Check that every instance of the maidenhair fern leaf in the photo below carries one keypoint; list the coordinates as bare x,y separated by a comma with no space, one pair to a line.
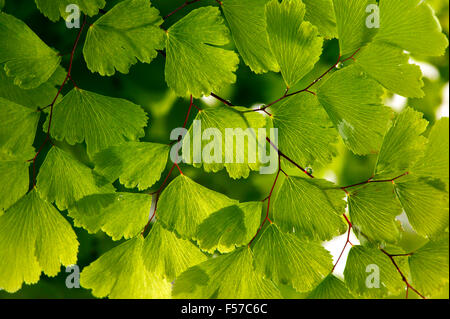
373,208
429,266
25,56
34,238
351,18
225,277
390,67
18,126
14,179
128,32
305,132
354,105
248,26
286,259
106,121
54,9
229,138
184,205
135,164
230,227
167,255
310,208
402,144
331,288
64,180
195,65
412,26
370,273
120,273
295,43
117,214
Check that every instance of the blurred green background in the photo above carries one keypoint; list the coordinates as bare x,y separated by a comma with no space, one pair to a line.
145,85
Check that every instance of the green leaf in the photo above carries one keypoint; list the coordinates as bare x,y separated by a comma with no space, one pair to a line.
128,32
120,274
425,203
331,288
241,149
117,214
353,102
2,4
373,208
429,266
229,276
286,259
106,120
351,16
412,26
402,144
25,57
390,67
194,64
18,126
247,22
321,14
310,208
64,180
54,9
14,180
363,266
295,43
434,163
305,132
167,255
40,96
34,237
229,227
184,205
136,164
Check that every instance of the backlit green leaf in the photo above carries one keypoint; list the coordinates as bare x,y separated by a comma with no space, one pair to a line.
305,132
25,57
106,121
136,164
229,227
373,208
184,205
310,208
18,126
353,103
229,276
429,266
64,180
370,273
238,153
117,214
412,26
34,238
247,22
194,64
54,9
14,180
286,259
402,144
295,43
392,70
128,32
120,273
351,18
167,255
331,288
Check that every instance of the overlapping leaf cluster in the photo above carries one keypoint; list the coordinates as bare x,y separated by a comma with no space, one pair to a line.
199,240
